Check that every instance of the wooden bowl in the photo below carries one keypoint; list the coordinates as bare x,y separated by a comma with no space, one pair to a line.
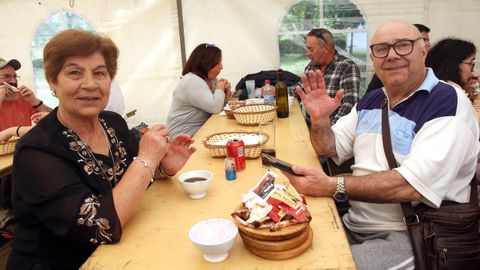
275,245
281,254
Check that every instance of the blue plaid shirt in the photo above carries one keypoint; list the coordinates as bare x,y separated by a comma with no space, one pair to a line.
342,72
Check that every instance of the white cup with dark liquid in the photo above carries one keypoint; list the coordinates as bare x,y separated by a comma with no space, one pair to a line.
196,182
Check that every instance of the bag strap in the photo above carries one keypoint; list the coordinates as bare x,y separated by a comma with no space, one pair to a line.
409,217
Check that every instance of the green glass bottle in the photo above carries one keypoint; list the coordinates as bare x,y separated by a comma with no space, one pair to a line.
281,92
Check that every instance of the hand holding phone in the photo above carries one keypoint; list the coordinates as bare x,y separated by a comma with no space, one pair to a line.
279,164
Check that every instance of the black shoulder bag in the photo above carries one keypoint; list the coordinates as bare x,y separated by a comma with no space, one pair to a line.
447,237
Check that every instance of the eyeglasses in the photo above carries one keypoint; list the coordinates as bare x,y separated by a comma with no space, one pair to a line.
471,63
8,77
318,34
401,47
210,45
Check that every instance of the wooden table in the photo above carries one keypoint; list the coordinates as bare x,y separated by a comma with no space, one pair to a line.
6,165
157,237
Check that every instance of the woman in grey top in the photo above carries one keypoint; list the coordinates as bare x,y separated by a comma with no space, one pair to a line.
199,93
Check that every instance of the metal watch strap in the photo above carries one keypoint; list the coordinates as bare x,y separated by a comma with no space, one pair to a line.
341,184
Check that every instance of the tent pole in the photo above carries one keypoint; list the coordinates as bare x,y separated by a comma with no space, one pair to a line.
181,31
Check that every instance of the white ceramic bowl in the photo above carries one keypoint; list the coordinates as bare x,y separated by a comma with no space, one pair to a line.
214,238
197,189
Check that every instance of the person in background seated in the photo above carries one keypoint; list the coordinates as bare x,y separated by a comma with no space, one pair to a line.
199,93
424,31
339,71
453,60
425,116
79,174
17,103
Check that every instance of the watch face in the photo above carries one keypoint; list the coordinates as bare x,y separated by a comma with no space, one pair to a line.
340,196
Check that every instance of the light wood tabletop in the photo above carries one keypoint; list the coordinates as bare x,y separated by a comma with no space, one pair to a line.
6,165
157,236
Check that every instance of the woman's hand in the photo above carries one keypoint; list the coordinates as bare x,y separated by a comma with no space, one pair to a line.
153,145
228,89
179,151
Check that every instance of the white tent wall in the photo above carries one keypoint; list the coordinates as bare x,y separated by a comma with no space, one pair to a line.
146,31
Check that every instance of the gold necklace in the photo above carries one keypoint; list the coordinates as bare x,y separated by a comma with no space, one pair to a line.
92,155
114,167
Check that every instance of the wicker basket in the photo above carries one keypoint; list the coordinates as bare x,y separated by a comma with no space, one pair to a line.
233,104
229,114
251,115
8,147
217,144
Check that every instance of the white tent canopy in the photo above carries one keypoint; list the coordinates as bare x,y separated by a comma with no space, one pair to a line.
147,33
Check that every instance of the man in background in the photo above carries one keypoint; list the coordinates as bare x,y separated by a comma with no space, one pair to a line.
17,103
338,71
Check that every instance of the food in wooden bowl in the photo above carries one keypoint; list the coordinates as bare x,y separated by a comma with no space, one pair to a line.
273,220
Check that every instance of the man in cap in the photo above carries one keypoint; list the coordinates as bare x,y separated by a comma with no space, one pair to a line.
17,104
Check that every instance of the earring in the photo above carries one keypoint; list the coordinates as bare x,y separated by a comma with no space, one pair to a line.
54,93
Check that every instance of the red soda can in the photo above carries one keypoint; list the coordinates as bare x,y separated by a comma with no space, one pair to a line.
236,149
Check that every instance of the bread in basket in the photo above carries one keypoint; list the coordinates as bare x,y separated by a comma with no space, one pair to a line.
253,141
251,115
8,147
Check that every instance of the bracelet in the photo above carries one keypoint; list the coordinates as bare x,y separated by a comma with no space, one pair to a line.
38,105
18,129
146,165
163,172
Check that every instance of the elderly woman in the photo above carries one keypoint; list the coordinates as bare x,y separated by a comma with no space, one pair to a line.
453,60
79,174
199,93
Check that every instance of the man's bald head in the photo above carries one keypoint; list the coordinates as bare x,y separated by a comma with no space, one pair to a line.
399,59
394,29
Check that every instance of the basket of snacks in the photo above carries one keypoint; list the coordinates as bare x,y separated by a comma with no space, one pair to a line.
231,105
8,147
251,115
274,220
253,141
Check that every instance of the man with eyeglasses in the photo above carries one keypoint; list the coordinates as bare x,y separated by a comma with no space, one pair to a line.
424,31
425,116
339,71
17,103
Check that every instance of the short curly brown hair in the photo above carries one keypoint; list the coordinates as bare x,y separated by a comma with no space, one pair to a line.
76,42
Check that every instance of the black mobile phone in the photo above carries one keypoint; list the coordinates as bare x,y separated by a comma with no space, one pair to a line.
279,164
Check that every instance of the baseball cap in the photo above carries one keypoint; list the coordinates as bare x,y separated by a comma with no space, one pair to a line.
14,63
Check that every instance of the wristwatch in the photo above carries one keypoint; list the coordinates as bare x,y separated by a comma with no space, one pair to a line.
340,195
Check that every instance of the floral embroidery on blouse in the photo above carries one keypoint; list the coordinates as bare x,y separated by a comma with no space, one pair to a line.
91,165
89,210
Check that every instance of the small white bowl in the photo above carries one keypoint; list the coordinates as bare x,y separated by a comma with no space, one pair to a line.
214,238
197,189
